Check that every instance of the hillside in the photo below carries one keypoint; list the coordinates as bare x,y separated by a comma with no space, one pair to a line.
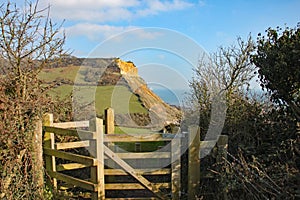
118,86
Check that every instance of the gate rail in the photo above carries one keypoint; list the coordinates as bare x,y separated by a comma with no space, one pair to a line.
97,143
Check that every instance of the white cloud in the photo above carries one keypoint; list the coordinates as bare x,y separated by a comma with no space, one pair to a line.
96,32
96,19
89,11
94,3
111,10
155,6
97,3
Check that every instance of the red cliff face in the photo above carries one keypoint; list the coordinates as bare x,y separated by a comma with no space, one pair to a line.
161,113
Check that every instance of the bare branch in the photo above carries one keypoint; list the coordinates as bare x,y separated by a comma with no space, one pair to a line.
29,40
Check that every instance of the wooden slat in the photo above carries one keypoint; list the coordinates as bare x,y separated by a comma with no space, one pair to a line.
70,132
134,186
137,137
75,124
120,172
70,156
60,131
72,145
70,166
132,172
145,155
207,144
73,181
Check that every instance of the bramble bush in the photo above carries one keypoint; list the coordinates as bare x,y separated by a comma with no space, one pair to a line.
29,41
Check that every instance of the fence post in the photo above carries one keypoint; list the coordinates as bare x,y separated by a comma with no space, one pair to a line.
193,162
110,129
49,143
222,146
176,167
109,121
97,172
37,142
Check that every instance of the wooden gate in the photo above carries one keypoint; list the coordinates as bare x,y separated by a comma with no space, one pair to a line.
101,151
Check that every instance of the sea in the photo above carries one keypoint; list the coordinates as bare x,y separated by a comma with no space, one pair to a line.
178,96
172,96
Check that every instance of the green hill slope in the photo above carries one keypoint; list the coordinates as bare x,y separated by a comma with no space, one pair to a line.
63,78
109,82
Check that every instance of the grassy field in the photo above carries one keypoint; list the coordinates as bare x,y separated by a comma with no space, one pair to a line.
69,73
130,146
120,98
128,130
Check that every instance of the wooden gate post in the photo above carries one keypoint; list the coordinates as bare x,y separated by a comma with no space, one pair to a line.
97,172
49,143
176,167
110,129
38,168
193,162
109,121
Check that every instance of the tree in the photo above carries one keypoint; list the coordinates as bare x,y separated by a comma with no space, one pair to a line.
262,139
278,61
28,42
226,72
229,69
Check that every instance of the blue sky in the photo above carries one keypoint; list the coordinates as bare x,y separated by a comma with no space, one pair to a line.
189,27
210,23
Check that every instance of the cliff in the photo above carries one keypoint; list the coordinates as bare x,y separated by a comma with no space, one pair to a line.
127,68
160,112
114,71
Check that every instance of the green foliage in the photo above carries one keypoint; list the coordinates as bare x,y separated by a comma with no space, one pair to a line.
263,150
16,154
278,61
266,165
48,193
263,154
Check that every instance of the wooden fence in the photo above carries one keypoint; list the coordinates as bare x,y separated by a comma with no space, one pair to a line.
102,148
